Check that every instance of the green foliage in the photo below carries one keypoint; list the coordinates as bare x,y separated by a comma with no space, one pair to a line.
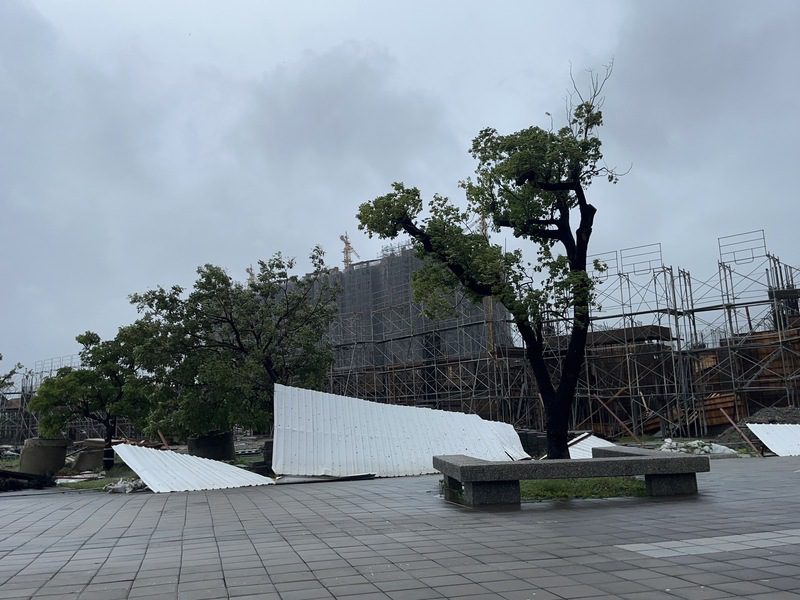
53,402
9,463
6,378
448,242
590,487
526,182
385,215
107,386
213,355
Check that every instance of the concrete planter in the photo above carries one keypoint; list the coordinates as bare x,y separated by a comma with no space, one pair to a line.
42,456
89,460
217,446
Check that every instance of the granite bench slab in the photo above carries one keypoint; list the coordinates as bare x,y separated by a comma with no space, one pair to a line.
477,482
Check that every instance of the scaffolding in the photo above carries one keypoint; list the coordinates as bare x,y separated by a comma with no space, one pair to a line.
684,356
667,352
17,423
387,350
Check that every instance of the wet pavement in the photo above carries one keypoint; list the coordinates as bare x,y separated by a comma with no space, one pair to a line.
397,539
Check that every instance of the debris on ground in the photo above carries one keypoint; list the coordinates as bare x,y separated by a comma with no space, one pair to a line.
770,415
7,451
126,486
82,476
694,447
11,481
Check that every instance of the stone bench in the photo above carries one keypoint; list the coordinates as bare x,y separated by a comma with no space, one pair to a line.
475,482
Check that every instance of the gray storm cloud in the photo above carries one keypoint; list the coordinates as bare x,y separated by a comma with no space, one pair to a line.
142,140
112,182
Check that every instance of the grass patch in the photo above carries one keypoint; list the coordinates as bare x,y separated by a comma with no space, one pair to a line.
91,484
745,451
9,463
246,460
590,487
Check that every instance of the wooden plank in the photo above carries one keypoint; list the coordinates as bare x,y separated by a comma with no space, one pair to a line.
163,440
740,432
620,421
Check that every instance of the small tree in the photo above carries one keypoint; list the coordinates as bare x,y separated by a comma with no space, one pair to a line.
214,354
105,388
531,183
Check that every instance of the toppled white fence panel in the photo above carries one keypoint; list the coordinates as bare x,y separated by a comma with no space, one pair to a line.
324,434
167,471
782,439
581,446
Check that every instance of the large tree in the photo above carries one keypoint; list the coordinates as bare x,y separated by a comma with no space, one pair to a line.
214,354
531,183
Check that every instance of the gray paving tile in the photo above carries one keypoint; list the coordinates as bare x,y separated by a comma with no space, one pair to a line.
531,594
306,594
154,591
748,588
462,590
506,585
698,592
622,587
249,590
395,585
416,594
442,580
354,589
17,593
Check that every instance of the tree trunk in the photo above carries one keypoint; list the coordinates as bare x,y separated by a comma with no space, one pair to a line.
108,449
557,403
557,414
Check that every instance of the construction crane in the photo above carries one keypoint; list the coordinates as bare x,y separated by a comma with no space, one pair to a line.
348,251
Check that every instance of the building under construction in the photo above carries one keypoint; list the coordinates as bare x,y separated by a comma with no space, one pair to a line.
667,352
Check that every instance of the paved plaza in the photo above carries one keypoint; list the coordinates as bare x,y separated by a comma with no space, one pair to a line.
397,539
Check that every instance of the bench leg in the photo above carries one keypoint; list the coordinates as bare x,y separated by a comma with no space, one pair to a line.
484,493
453,490
683,484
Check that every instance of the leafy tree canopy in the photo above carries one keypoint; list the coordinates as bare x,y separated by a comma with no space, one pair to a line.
214,354
105,387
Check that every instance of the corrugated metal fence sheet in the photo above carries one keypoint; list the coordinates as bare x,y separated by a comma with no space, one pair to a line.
325,434
581,446
167,471
782,439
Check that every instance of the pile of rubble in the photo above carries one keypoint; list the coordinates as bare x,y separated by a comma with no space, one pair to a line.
694,447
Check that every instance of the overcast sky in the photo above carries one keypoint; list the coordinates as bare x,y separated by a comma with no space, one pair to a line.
139,140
